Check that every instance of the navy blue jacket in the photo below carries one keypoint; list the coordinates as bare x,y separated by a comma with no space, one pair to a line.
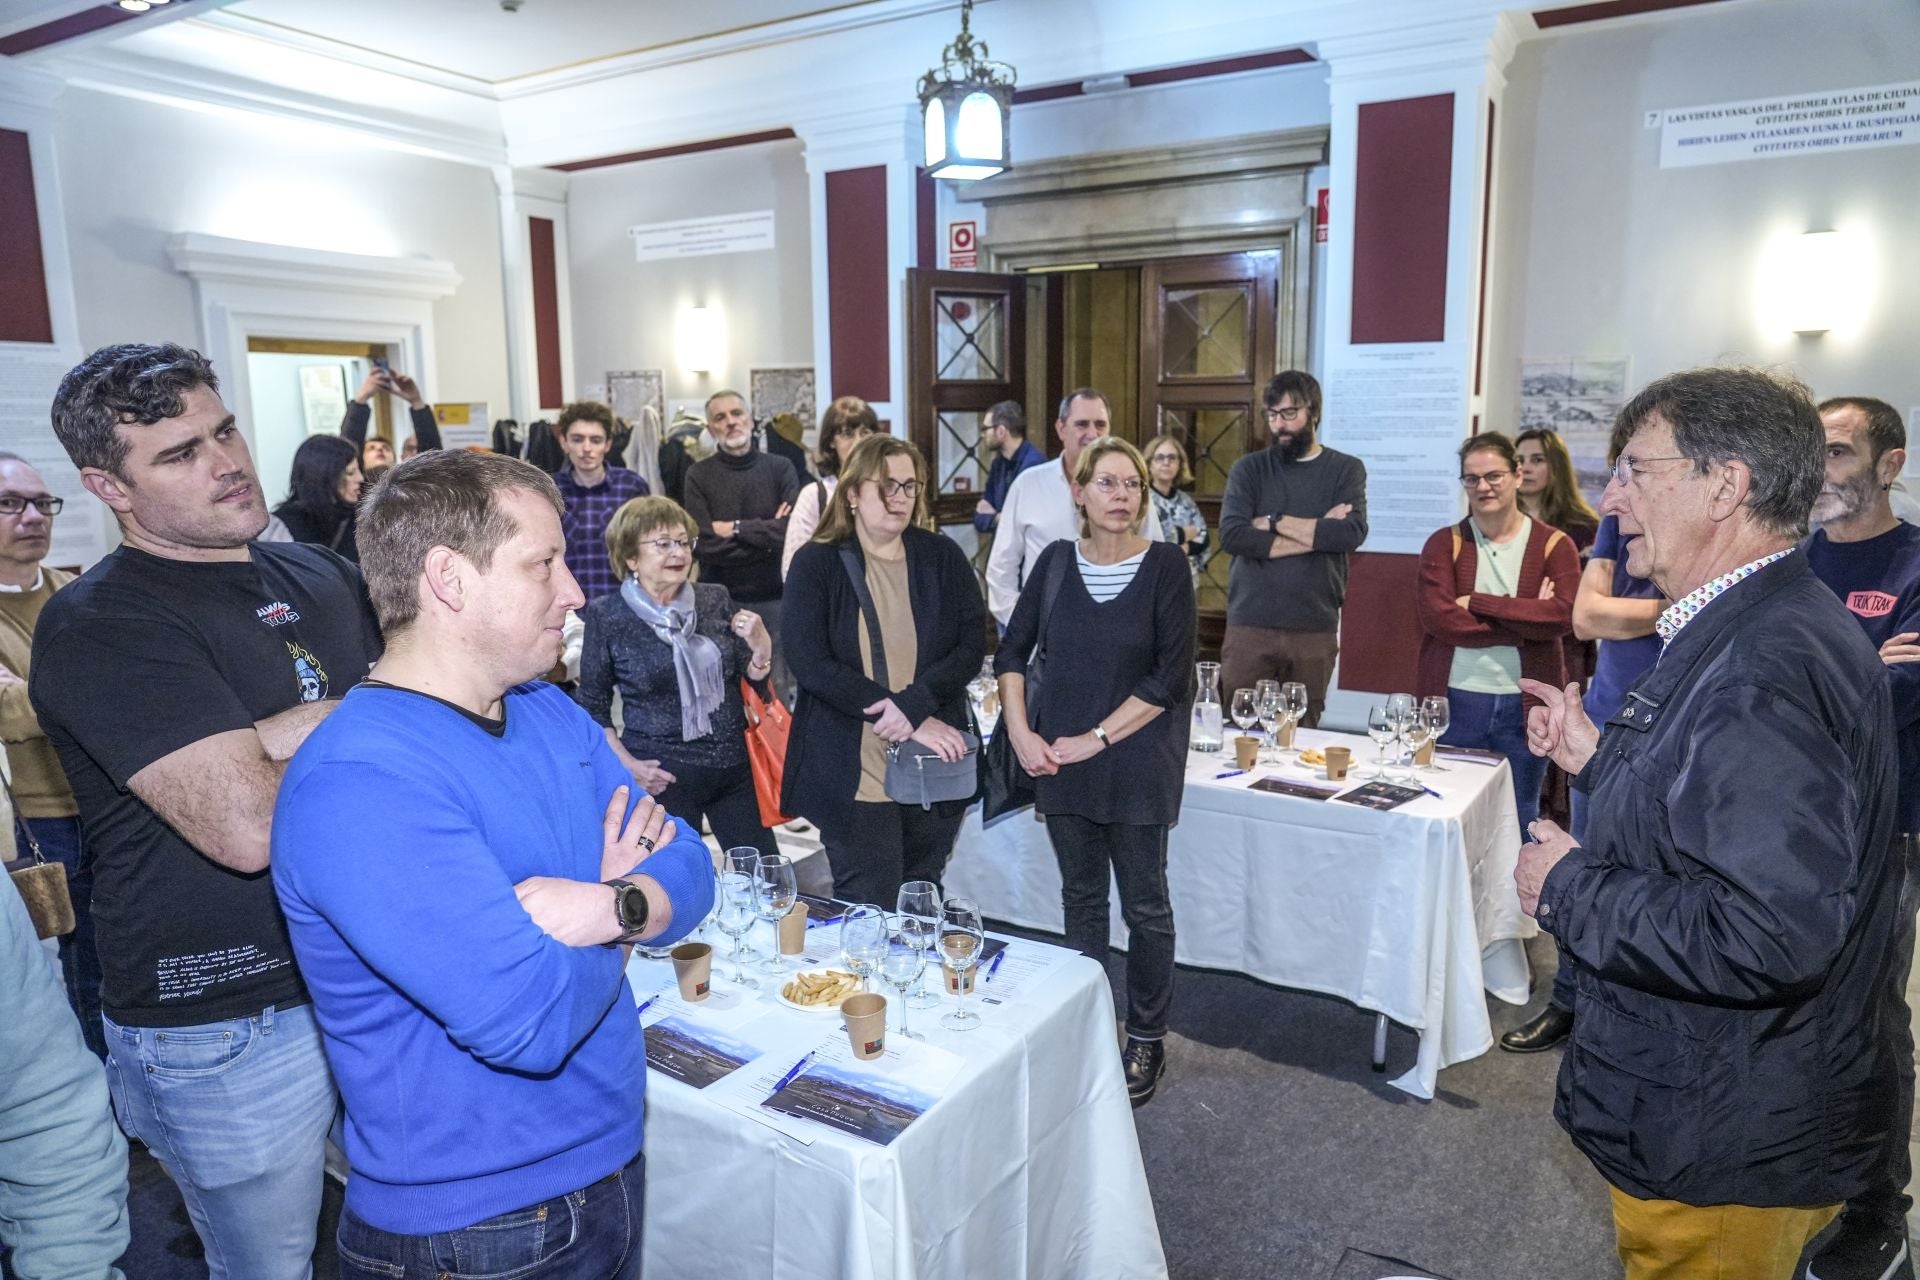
1000,478
1735,912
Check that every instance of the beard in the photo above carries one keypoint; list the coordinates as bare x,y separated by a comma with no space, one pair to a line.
1294,447
1844,502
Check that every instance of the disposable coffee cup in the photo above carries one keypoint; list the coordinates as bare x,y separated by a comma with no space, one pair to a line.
1424,756
1283,737
1244,750
693,969
866,1016
793,930
1338,758
960,981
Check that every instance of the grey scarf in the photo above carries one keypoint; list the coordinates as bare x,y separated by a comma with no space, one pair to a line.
696,659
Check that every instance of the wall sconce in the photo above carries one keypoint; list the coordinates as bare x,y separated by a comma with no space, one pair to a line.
702,339
1815,282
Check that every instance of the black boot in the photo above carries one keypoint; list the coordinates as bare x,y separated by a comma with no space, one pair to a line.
1868,1246
1144,1062
1552,1026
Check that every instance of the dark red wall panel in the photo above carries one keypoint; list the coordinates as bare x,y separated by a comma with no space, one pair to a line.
1403,181
546,310
858,303
1379,631
25,314
926,212
1599,12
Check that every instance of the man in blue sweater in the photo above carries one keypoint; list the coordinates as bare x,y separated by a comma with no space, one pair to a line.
1871,560
458,864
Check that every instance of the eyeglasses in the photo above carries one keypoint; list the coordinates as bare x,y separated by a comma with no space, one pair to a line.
1626,468
1158,458
12,504
898,488
1108,485
1289,414
1491,479
664,545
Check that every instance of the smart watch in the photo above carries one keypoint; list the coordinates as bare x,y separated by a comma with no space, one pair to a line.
629,907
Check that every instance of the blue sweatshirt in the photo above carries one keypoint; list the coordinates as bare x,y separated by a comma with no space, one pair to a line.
1879,582
485,1066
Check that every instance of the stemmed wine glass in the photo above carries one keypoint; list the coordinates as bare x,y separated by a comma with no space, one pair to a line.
774,891
1418,732
1402,710
961,937
1271,709
733,911
1380,729
1245,710
902,964
919,907
1436,713
863,940
1293,700
743,861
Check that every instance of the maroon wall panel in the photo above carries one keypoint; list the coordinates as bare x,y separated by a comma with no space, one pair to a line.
546,311
1599,12
858,302
926,212
1379,631
25,315
1403,180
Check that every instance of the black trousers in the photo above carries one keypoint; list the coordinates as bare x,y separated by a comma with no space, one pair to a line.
1136,856
723,797
884,845
1887,1198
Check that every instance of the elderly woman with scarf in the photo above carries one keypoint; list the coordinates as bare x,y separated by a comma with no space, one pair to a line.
676,652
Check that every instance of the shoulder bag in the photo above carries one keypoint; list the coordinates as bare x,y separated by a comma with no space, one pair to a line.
1008,787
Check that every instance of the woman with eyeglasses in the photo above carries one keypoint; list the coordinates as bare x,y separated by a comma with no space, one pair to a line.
1180,520
1105,737
894,676
676,652
1495,601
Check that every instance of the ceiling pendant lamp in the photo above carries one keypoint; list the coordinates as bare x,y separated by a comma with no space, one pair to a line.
965,104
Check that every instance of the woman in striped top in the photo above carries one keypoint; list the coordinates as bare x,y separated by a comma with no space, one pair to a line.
1106,735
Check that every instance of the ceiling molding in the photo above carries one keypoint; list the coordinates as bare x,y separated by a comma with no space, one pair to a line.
682,149
220,259
250,28
94,24
1246,156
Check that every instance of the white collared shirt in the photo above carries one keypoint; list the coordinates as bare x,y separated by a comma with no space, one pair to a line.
1038,512
1677,615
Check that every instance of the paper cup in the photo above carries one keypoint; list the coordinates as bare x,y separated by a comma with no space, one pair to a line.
693,969
793,930
959,983
866,1016
1338,758
1244,750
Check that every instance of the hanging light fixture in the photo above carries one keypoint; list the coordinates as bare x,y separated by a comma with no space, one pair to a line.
965,104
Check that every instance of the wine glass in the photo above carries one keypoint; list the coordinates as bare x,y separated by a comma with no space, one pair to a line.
1402,710
961,937
733,911
1271,710
1293,701
919,905
742,860
863,940
902,964
1380,729
1438,716
1245,710
1417,734
774,890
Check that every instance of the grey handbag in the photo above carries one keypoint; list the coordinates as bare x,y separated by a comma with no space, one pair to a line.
915,773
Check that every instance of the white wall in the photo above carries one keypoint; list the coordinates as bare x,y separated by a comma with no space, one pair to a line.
279,411
133,173
1168,115
625,311
1600,253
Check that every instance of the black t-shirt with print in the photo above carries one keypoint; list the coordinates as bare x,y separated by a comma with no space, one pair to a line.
140,657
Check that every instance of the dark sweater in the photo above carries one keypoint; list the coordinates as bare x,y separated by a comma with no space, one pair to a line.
1879,582
426,427
1138,644
621,652
336,530
821,636
748,490
1293,593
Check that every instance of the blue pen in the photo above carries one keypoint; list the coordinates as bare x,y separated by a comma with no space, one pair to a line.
788,1078
1430,791
993,964
1231,773
648,1005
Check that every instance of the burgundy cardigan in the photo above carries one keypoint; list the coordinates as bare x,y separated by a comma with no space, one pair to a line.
1524,621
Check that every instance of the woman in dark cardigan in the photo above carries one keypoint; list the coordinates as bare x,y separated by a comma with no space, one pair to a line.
1106,740
676,651
932,631
323,505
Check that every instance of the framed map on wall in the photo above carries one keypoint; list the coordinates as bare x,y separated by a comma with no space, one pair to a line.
631,390
774,391
1578,399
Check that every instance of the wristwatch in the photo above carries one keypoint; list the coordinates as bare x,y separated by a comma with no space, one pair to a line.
629,907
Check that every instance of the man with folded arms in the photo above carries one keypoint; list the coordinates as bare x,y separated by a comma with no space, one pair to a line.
1735,906
1871,560
459,862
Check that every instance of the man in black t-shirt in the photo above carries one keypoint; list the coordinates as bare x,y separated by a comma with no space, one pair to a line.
175,679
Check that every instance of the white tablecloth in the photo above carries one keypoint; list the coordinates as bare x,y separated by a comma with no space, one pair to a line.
1410,912
1028,1166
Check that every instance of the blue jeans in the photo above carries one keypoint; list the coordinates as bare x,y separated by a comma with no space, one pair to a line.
589,1234
63,841
1496,722
237,1114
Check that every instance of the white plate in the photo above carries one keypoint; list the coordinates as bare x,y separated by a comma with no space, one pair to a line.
832,1007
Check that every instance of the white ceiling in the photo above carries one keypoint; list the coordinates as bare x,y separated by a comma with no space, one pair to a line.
478,40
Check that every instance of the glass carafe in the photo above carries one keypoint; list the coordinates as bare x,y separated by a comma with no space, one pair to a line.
1207,731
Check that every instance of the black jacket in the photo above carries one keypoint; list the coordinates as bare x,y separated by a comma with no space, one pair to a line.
820,634
1734,917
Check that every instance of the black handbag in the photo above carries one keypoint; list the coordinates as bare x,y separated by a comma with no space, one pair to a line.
1007,787
915,774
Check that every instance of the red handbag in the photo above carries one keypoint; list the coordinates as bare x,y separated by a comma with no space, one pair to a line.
768,724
